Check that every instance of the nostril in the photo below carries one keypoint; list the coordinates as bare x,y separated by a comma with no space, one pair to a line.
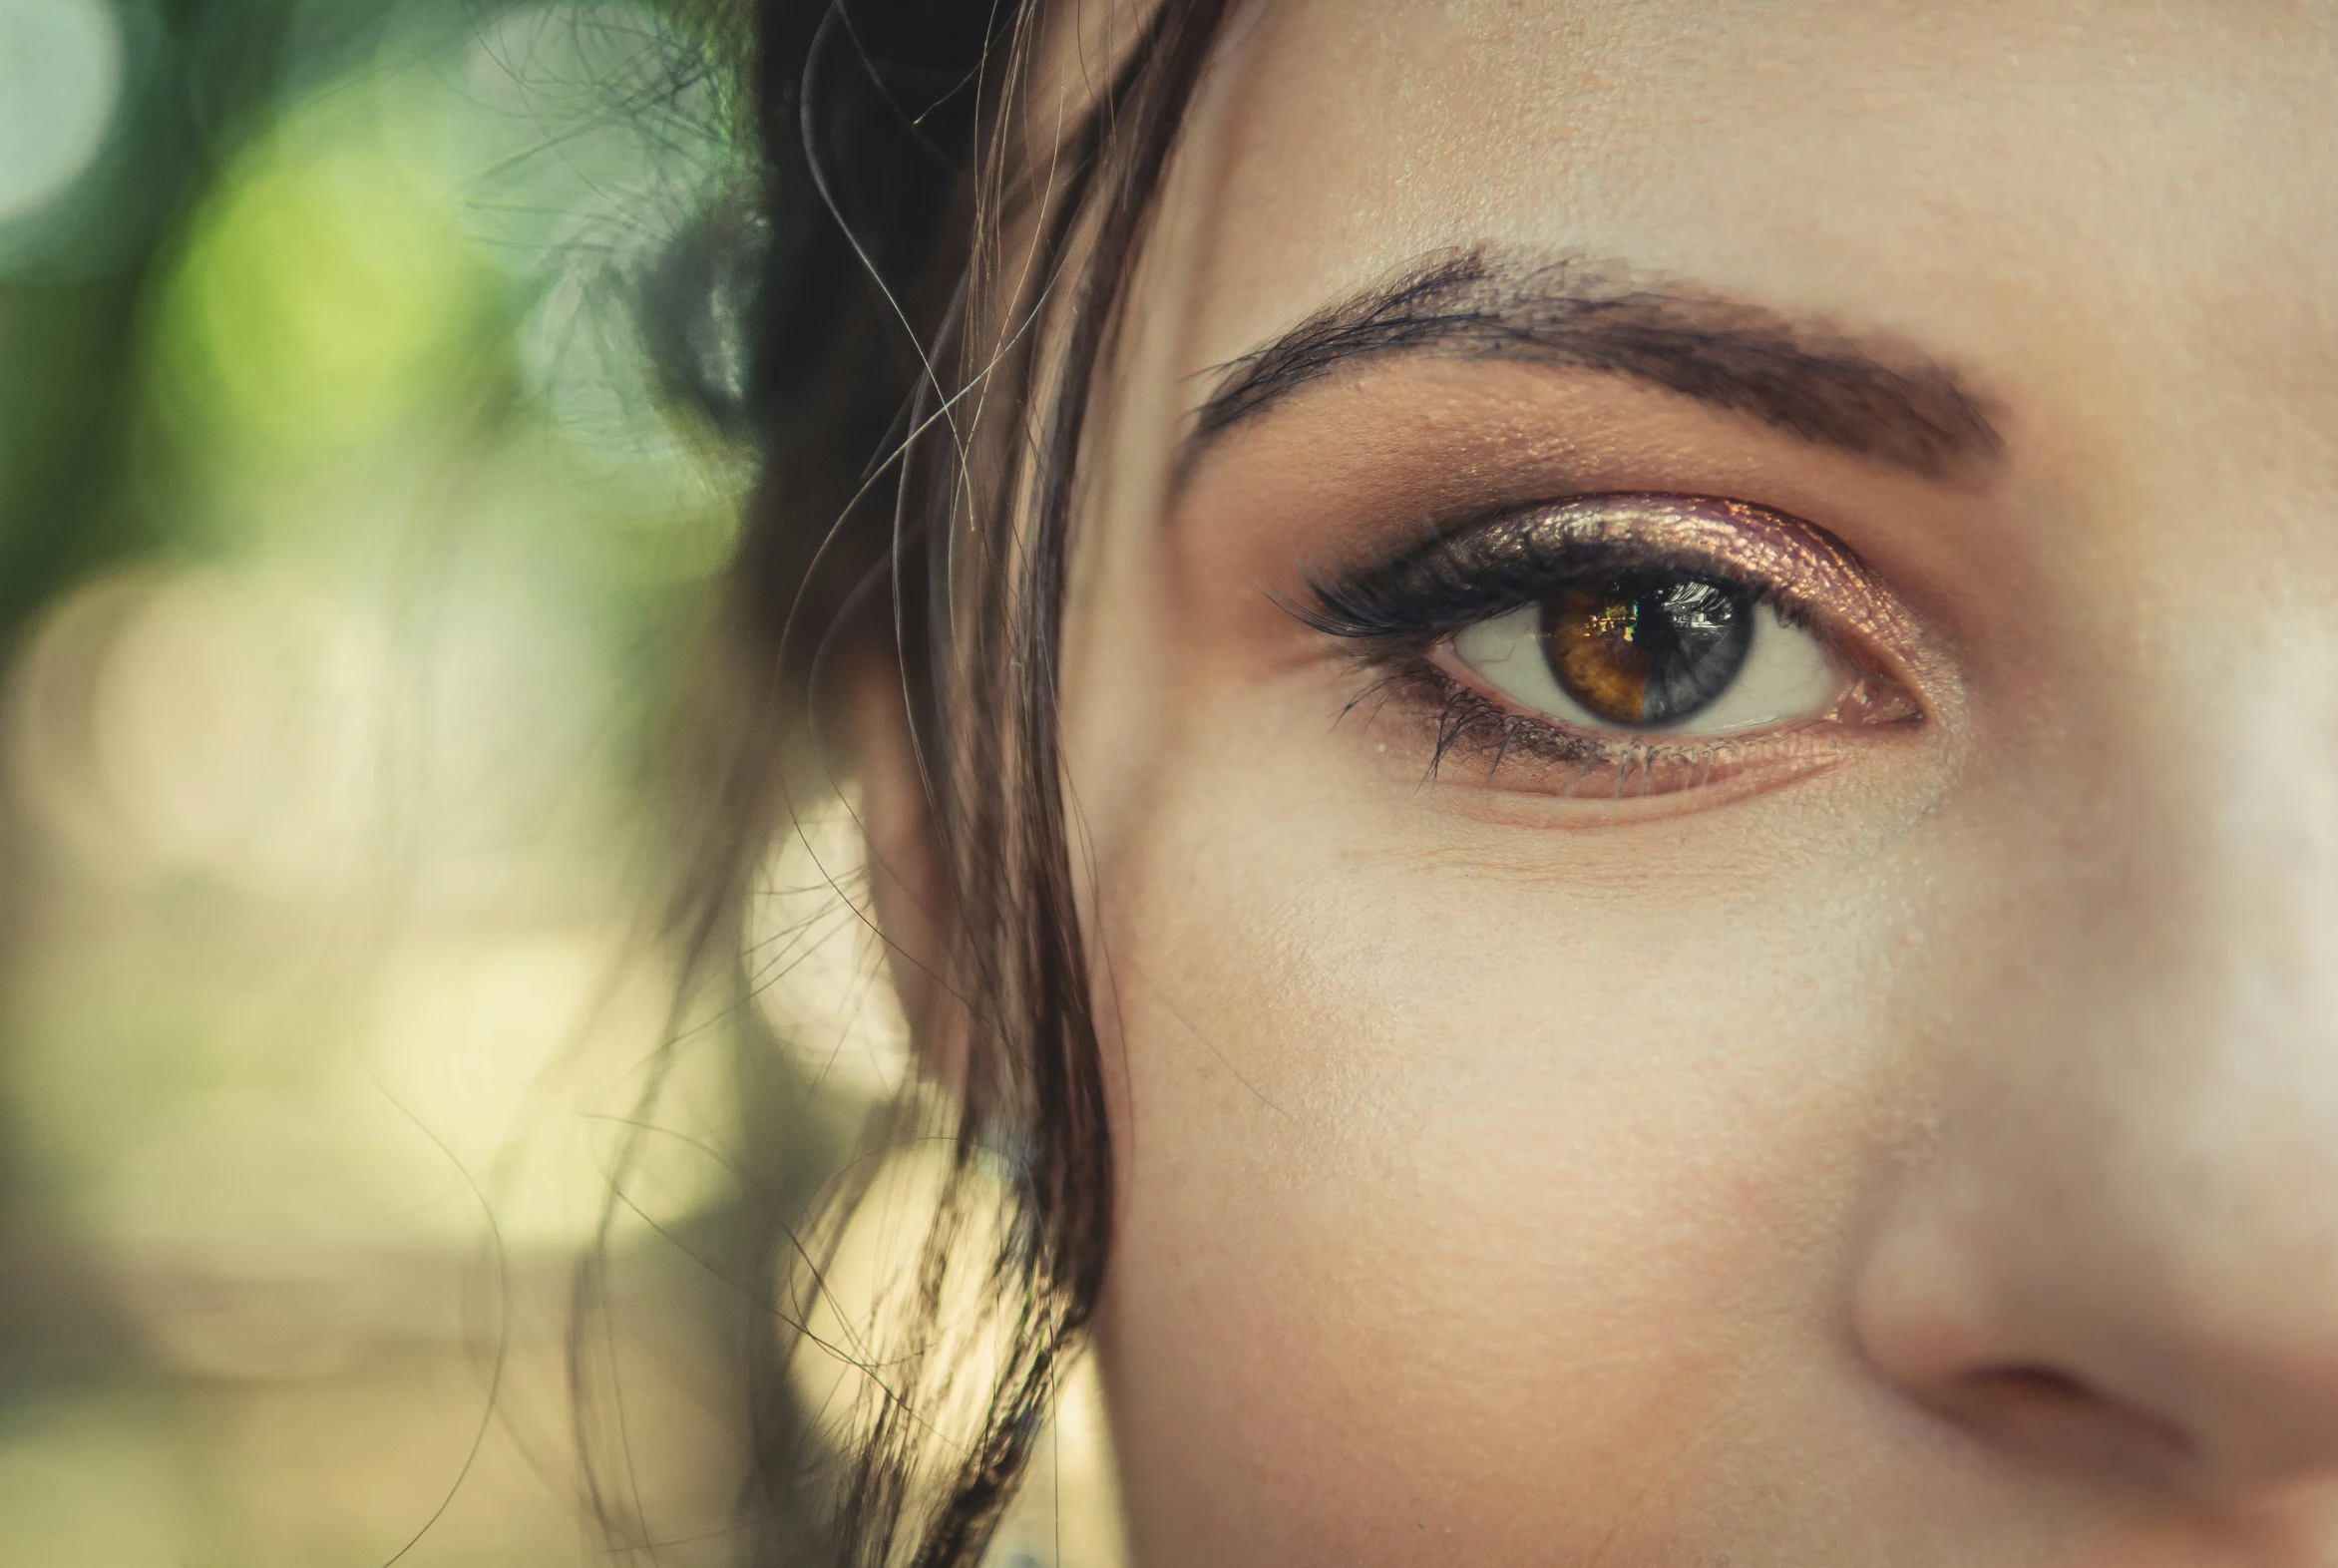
2040,1385
2184,1375
2054,1418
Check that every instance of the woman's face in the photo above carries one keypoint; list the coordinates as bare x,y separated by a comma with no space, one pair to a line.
1837,1062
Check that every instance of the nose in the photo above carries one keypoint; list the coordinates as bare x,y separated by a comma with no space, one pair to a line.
2107,1354
2117,1257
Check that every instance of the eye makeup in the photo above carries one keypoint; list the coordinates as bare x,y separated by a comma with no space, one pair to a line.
1625,644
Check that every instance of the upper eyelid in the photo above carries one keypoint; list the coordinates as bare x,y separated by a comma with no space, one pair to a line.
1801,569
1633,555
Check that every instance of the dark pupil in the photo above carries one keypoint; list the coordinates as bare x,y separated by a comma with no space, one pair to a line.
1648,649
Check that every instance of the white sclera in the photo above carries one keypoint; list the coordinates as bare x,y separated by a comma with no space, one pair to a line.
60,82
1787,675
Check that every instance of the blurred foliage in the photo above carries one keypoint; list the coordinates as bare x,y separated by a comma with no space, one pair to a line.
348,549
351,547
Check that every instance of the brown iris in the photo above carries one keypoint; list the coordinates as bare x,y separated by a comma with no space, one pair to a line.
1650,649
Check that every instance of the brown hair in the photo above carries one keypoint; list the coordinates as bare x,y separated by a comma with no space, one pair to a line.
924,406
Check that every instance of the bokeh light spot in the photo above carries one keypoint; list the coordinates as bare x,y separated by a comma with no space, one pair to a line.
60,82
323,297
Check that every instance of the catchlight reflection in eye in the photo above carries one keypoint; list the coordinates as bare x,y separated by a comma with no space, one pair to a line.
1655,651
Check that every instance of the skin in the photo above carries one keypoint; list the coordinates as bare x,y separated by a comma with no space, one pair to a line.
1924,1156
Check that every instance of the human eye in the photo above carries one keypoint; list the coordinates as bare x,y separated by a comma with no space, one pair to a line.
1636,643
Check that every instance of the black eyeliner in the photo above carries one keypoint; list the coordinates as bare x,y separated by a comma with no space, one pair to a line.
1473,574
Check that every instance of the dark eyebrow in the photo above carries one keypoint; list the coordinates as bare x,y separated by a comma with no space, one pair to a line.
1797,376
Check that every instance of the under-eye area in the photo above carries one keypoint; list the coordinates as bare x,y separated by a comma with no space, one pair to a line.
1620,645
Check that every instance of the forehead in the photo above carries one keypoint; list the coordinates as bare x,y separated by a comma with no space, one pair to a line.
1989,178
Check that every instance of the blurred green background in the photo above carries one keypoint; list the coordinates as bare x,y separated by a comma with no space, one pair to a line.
349,549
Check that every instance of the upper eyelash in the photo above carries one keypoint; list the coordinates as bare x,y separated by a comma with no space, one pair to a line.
1459,578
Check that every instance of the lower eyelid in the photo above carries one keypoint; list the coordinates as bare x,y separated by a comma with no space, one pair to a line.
1535,756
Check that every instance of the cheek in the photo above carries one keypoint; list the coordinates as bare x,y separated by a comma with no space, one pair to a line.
1445,1180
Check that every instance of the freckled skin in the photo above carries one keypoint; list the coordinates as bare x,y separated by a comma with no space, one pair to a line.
1926,1159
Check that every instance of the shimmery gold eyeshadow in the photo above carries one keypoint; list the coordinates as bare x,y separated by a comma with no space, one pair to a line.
1589,631
1807,566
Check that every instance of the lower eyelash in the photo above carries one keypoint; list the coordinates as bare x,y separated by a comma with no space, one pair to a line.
1466,723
